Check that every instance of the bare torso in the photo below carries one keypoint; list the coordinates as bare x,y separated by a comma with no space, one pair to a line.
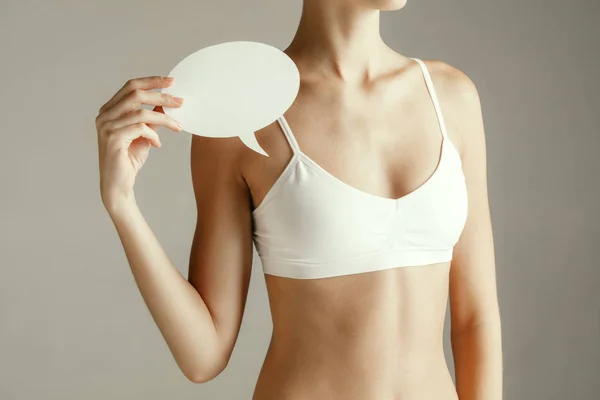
375,335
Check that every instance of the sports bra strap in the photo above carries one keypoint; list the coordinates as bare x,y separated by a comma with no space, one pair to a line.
288,134
433,95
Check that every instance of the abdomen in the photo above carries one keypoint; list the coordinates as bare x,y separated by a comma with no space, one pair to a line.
375,335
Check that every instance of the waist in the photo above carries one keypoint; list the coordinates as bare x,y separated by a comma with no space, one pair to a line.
370,347
334,374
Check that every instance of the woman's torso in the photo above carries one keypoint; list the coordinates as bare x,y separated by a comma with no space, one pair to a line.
374,335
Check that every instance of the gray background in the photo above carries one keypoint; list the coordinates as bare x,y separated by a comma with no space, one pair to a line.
73,325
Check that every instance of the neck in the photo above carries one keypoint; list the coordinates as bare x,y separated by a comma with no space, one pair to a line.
338,40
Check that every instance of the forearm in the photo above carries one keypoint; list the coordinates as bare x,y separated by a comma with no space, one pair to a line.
177,308
478,367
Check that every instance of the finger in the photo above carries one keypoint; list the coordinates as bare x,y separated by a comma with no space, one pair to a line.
160,110
136,99
131,132
146,83
146,116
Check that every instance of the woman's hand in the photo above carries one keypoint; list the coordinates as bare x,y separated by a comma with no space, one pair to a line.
126,132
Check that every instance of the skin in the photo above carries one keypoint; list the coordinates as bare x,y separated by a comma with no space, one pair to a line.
375,335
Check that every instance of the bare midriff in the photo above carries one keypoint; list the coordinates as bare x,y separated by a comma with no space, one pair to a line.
369,336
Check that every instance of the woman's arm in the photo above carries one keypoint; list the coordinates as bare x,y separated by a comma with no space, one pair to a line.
199,318
475,316
221,255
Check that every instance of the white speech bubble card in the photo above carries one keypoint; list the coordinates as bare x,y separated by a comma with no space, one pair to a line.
233,89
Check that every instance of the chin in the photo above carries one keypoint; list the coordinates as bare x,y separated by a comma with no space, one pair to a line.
385,5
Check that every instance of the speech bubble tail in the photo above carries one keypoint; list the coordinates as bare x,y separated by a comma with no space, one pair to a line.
251,142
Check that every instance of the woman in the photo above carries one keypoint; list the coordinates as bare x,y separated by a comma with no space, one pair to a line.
371,210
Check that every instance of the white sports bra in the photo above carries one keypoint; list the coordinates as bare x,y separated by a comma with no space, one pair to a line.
312,225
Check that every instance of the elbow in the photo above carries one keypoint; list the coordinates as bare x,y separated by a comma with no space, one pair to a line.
204,364
204,374
200,377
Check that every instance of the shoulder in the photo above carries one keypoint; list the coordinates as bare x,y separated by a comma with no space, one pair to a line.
453,83
459,100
